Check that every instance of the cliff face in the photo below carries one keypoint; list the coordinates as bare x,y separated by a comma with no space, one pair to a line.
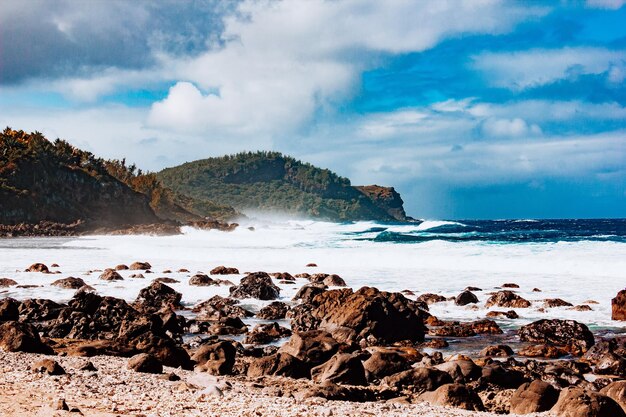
44,181
386,198
272,182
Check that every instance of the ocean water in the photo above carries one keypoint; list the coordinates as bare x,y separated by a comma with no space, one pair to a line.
576,260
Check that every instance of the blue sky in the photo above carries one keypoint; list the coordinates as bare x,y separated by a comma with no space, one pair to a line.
471,109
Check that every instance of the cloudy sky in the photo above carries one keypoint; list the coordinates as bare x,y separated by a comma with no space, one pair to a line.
470,108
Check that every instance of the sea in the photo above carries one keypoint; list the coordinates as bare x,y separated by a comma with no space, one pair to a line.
579,261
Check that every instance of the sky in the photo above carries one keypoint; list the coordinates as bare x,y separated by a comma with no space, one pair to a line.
469,108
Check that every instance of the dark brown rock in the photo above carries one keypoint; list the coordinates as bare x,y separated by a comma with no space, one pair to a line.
510,285
384,363
313,347
222,270
616,391
217,307
454,395
418,380
466,297
137,266
146,363
555,302
342,368
572,336
158,296
110,275
507,299
618,306
166,280
266,333
7,282
277,310
49,367
496,374
121,267
38,267
533,397
280,364
9,309
576,402
21,337
497,350
69,283
430,298
257,285
202,280
511,314
216,359
308,292
542,351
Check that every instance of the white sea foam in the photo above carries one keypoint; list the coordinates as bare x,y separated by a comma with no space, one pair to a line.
573,271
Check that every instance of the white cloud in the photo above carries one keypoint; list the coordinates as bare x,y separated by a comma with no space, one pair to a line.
284,61
509,127
531,68
606,4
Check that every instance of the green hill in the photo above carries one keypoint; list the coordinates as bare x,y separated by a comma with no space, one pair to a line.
272,182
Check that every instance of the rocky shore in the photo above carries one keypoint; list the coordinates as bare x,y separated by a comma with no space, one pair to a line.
331,350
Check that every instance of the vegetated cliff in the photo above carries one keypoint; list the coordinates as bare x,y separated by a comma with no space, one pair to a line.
43,182
272,182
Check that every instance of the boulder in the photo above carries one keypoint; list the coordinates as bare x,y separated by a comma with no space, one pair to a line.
496,374
7,282
21,337
39,310
217,307
222,270
48,366
510,285
342,368
576,402
121,267
618,306
277,310
616,391
308,292
158,296
611,364
368,314
465,298
573,336
216,359
137,266
9,309
69,283
266,333
257,285
430,298
166,280
283,276
511,314
454,395
383,363
110,275
313,347
335,392
497,350
542,351
418,380
280,364
533,397
38,267
556,302
146,363
461,370
507,299
201,280
331,280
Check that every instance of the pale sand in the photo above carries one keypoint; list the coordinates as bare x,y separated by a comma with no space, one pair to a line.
116,391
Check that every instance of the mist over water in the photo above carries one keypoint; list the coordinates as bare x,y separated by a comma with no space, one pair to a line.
576,260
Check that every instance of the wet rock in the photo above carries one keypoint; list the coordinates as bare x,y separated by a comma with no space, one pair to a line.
311,265
430,298
137,266
456,329
331,280
507,299
533,397
496,374
110,275
384,363
217,307
266,333
38,267
616,391
342,368
223,270
39,309
166,280
573,336
485,326
418,380
21,337
581,307
138,276
69,283
280,364
542,351
202,280
283,276
470,288
7,282
611,364
216,359
145,363
510,285
575,402
497,350
49,367
308,292
454,395
555,302
121,267
257,285
465,298
313,347
511,314
158,296
9,309
435,344
277,310
374,316
618,306
461,370
335,392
